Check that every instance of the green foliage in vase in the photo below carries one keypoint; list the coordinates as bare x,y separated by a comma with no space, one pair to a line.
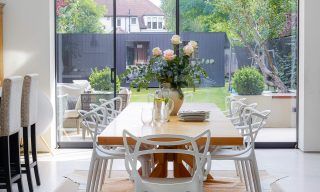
248,81
100,80
79,16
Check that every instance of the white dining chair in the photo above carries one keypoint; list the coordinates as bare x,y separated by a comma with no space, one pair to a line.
229,107
245,155
147,184
29,120
106,116
10,124
101,155
237,107
114,103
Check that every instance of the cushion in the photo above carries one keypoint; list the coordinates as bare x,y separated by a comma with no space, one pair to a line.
71,114
72,101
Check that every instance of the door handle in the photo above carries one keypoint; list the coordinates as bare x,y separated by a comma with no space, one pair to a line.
112,75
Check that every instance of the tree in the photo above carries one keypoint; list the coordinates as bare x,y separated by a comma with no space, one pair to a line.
249,23
79,16
190,11
253,23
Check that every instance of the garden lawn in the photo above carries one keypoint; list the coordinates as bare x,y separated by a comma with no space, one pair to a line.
214,95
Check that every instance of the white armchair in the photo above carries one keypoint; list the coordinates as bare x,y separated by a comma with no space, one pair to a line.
71,116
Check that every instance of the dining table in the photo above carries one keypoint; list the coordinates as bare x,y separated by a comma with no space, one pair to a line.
223,133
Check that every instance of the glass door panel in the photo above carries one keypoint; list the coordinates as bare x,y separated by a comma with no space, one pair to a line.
85,67
259,34
144,27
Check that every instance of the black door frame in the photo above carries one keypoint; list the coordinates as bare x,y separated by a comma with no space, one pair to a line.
263,145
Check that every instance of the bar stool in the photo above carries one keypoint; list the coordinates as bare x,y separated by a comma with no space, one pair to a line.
10,169
29,106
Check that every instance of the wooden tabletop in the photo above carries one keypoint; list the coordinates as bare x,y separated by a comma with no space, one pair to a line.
222,130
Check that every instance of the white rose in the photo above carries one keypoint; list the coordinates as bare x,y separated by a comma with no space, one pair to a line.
175,40
168,55
156,51
194,44
188,50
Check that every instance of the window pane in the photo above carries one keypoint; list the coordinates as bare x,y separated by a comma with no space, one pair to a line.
149,22
133,21
118,22
84,49
135,49
154,23
261,34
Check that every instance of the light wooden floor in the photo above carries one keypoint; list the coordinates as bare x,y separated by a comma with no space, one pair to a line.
300,171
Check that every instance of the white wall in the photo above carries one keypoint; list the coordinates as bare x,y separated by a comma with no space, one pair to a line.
29,42
309,101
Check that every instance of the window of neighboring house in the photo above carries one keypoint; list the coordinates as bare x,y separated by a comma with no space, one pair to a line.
154,23
133,20
149,22
160,22
118,22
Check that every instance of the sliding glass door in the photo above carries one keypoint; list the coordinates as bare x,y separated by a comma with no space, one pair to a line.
85,67
239,36
97,40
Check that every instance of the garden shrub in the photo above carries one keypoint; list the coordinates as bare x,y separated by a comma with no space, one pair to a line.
100,80
248,81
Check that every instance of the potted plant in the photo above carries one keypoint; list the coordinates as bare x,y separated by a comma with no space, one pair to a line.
248,81
172,69
100,80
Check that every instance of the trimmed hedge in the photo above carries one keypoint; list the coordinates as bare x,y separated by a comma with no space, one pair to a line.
248,81
100,80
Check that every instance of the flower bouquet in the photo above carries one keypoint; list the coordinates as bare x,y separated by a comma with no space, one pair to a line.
174,68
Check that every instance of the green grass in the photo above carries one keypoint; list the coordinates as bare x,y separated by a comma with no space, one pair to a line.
214,95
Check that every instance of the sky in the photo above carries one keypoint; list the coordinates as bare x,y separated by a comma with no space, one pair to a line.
156,2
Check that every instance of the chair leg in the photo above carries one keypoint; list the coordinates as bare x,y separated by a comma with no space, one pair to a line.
254,176
110,168
97,179
78,126
103,176
250,176
5,150
255,166
237,168
244,175
15,154
34,153
240,172
91,171
20,186
84,133
26,157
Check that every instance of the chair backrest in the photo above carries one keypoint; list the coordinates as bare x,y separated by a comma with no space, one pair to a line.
254,121
154,144
102,113
244,112
235,106
114,103
29,102
92,122
10,112
110,112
